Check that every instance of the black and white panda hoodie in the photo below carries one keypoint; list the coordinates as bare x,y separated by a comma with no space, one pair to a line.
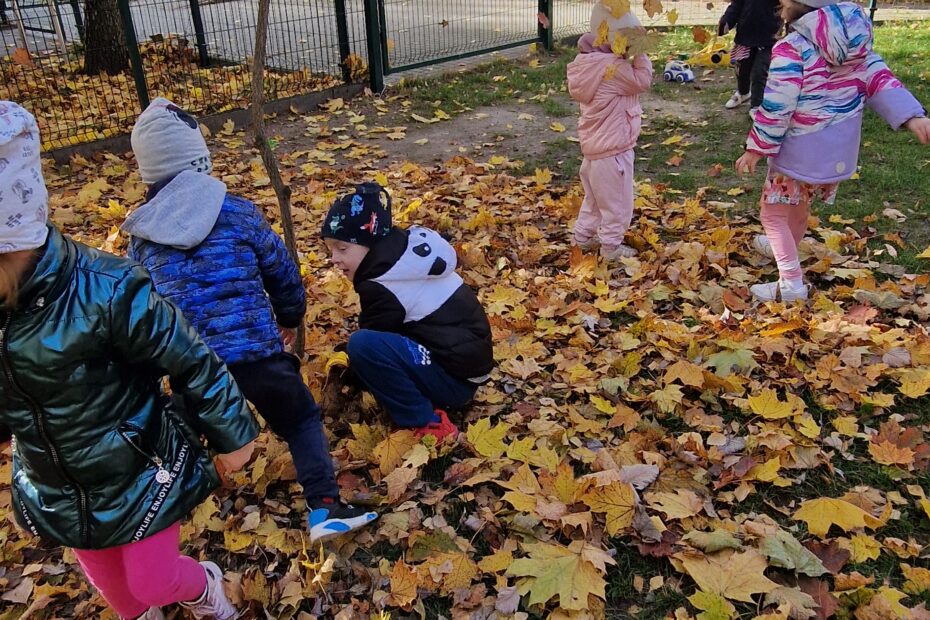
407,285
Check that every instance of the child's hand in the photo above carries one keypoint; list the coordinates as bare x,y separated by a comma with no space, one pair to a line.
920,127
288,336
234,461
747,163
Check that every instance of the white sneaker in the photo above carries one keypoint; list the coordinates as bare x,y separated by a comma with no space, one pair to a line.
762,246
154,613
752,112
621,251
780,290
736,100
213,602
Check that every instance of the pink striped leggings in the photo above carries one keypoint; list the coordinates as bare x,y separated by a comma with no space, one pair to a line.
148,573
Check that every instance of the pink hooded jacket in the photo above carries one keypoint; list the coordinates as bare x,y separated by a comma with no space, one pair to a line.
607,88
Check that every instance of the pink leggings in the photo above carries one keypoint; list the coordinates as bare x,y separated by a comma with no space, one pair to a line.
785,226
148,573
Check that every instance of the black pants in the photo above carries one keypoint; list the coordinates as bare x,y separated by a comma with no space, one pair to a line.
278,392
752,73
3,17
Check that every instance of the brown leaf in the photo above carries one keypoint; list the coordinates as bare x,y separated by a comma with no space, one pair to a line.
819,590
21,57
834,557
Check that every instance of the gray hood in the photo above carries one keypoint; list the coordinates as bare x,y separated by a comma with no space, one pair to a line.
182,214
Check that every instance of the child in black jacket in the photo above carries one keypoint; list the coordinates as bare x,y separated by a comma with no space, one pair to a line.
424,342
757,24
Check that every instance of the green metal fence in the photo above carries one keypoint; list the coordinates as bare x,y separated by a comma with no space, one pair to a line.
197,52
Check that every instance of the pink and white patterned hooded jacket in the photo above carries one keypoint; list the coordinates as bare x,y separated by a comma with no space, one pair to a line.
822,76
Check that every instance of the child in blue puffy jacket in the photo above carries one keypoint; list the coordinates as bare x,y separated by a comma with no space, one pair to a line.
215,256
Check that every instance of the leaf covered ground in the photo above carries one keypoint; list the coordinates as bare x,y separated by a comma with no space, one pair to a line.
653,444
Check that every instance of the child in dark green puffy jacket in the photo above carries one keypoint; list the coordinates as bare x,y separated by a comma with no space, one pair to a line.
100,463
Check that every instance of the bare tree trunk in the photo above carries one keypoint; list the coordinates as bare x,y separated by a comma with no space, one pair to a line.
257,113
104,43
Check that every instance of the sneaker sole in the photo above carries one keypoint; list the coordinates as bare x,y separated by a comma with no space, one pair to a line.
217,573
332,528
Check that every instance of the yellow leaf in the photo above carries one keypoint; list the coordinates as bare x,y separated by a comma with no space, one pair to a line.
681,504
454,569
403,584
822,512
714,606
766,472
573,574
672,16
668,398
521,501
496,562
767,405
925,253
557,127
861,547
915,382
619,45
542,177
603,33
616,500
673,140
918,579
236,541
488,441
390,453
603,405
732,575
925,504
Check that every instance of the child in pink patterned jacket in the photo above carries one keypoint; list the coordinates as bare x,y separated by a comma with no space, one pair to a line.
607,87
822,76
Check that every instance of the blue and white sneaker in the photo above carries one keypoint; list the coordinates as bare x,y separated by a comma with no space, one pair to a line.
329,518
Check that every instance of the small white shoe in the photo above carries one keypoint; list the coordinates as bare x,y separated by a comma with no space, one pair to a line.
213,602
621,251
752,112
736,100
779,290
154,613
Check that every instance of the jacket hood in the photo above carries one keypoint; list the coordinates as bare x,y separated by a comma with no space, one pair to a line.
586,73
182,214
841,32
428,257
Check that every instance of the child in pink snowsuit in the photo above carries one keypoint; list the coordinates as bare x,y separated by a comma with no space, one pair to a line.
607,87
822,76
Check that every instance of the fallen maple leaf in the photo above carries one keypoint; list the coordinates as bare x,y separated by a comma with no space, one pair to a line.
822,512
571,573
732,575
617,501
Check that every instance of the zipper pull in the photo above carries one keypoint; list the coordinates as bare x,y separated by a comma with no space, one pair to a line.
161,476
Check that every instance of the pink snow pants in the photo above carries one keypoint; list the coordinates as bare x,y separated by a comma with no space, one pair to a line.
607,209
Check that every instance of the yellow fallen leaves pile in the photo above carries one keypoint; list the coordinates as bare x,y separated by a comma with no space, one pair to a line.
647,424
73,108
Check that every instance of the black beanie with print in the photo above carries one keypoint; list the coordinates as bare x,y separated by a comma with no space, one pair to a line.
362,218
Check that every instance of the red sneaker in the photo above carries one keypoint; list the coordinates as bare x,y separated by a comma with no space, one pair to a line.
441,429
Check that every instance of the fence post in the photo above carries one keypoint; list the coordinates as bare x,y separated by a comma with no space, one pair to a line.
873,6
373,35
545,34
78,18
135,59
342,31
199,33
